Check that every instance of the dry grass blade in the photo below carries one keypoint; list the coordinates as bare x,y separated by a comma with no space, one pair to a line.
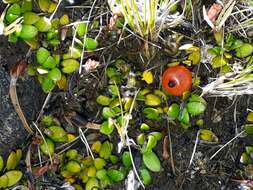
16,71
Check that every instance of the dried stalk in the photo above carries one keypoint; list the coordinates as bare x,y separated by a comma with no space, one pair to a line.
16,71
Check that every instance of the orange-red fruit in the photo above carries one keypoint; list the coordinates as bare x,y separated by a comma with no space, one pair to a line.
177,80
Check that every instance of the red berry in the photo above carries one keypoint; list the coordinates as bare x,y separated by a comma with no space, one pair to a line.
177,80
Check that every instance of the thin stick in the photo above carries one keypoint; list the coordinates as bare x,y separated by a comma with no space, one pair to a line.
83,138
226,144
43,106
194,149
85,36
42,136
16,71
52,16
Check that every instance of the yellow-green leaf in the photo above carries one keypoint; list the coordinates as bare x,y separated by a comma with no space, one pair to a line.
13,177
11,161
148,77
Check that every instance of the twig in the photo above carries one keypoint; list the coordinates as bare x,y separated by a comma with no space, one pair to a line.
194,149
58,4
84,140
226,144
42,136
43,106
16,71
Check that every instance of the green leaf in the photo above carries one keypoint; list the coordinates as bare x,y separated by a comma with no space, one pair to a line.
92,184
151,113
107,127
195,108
115,175
4,181
70,65
152,100
11,161
26,6
141,139
197,98
151,142
101,174
248,129
108,113
13,38
42,55
56,133
184,117
99,163
173,111
103,100
50,63
64,20
1,163
114,159
13,13
47,147
249,149
151,161
218,61
126,159
14,176
74,53
215,50
44,5
71,154
144,127
237,44
81,29
43,24
145,176
73,167
48,85
90,44
245,159
111,72
106,150
244,51
55,74
28,32
157,135
30,18
113,90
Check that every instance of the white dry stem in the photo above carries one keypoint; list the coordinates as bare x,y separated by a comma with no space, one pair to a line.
231,84
2,20
43,106
55,10
13,27
85,36
44,140
194,149
220,149
84,140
